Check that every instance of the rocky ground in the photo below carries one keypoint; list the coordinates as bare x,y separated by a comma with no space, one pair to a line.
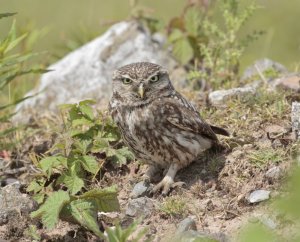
222,192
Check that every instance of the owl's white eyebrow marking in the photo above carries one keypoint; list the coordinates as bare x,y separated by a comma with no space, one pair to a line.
126,76
154,74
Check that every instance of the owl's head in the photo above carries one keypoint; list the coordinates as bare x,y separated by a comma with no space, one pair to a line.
139,82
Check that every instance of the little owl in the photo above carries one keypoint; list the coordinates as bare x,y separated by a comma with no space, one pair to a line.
157,123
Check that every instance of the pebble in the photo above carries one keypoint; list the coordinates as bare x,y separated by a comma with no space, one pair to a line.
273,173
258,196
186,224
140,189
219,97
141,206
295,116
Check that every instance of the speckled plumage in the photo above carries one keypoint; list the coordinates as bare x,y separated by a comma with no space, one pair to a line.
158,124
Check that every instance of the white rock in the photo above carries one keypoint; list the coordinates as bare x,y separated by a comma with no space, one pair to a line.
220,96
86,72
296,118
258,196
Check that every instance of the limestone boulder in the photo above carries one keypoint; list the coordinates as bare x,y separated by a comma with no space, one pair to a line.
86,72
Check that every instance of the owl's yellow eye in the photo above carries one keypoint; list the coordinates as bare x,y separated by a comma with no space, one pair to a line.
154,79
126,80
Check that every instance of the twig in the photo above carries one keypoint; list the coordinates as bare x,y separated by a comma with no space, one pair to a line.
13,171
261,74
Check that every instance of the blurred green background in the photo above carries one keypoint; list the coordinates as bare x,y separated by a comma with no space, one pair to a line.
68,18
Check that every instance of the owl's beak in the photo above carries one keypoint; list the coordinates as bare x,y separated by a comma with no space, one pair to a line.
141,90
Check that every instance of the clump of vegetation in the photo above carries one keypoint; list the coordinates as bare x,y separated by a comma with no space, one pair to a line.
13,65
174,206
211,48
131,233
261,157
65,187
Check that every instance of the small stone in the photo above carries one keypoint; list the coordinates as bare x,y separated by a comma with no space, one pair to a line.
141,206
296,118
289,82
13,203
218,97
273,173
258,196
11,181
186,224
140,189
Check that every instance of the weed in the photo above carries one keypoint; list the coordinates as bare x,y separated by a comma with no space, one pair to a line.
13,65
262,157
211,50
84,143
131,233
174,206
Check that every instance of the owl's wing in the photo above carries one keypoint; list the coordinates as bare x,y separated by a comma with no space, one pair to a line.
185,117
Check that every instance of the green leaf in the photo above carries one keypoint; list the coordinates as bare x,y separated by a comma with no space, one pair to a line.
74,113
49,211
16,59
100,145
106,199
175,35
81,121
15,102
86,214
87,102
121,155
14,43
90,164
72,178
48,163
4,15
192,20
6,79
36,186
87,111
39,197
119,234
73,183
66,106
183,51
82,146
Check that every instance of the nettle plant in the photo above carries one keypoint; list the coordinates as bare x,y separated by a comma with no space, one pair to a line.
66,188
211,48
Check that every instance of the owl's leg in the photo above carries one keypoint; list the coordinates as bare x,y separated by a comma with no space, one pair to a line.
150,173
168,181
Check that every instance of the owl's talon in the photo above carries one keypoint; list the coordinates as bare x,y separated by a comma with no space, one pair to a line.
178,184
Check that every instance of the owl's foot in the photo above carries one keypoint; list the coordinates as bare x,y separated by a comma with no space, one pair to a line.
150,174
167,182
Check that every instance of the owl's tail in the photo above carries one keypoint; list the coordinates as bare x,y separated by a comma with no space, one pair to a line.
218,130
